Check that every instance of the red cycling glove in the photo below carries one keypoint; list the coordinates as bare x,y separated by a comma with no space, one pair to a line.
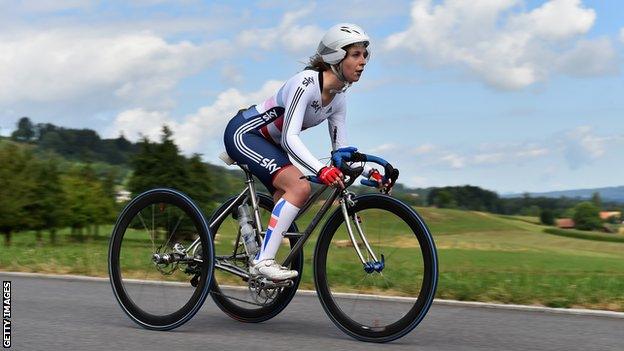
375,176
329,174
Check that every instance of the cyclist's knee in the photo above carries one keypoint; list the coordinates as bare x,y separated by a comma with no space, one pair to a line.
298,193
302,189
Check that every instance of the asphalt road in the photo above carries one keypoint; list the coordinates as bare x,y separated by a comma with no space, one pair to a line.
55,314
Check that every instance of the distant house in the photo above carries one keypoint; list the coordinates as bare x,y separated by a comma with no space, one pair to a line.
565,223
122,196
604,215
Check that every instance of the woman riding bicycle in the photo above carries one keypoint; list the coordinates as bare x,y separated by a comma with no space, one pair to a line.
265,135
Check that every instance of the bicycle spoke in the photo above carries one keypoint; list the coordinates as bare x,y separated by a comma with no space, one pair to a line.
173,232
148,231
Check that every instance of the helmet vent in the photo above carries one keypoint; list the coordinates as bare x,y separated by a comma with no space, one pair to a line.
345,30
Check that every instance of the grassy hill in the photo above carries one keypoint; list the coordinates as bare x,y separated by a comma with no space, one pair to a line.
486,257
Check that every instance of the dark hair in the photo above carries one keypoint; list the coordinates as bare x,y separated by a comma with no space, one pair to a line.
316,63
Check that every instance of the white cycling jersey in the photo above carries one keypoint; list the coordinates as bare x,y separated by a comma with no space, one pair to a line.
296,106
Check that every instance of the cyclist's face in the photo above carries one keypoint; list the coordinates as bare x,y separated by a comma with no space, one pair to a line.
353,64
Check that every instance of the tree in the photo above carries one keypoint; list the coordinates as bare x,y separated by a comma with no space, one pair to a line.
202,187
596,200
532,210
547,217
159,165
587,216
46,210
443,198
16,189
76,191
25,131
51,141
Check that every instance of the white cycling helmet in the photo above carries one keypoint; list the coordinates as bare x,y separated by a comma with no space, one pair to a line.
331,48
337,37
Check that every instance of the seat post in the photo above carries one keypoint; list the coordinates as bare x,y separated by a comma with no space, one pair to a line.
248,175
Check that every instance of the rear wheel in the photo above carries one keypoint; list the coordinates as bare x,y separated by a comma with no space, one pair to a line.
232,293
378,305
158,276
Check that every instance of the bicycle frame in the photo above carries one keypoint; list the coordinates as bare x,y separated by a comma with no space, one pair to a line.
345,202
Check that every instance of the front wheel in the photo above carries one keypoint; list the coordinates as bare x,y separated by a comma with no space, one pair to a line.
160,259
386,304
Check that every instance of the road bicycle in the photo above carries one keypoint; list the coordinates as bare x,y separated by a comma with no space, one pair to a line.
375,262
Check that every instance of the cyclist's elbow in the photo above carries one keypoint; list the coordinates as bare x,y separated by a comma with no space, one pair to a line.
286,141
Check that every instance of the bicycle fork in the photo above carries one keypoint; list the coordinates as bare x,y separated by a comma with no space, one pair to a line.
369,266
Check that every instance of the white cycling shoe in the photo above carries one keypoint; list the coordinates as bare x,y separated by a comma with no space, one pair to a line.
272,270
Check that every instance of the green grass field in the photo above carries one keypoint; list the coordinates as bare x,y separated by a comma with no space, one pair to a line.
483,257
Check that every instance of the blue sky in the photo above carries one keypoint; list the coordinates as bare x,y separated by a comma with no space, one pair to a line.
509,95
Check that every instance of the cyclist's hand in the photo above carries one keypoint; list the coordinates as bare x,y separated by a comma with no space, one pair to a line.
390,177
376,177
331,176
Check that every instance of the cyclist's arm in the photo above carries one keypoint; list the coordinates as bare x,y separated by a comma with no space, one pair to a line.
337,128
338,132
296,103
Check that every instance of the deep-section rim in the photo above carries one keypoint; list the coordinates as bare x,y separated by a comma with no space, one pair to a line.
425,298
207,246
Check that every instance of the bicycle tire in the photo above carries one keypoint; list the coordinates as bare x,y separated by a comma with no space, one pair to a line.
342,308
123,255
245,312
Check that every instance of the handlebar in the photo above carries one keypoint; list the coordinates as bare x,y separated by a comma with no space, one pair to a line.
340,159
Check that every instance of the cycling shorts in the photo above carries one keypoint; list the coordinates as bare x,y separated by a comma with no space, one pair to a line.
247,146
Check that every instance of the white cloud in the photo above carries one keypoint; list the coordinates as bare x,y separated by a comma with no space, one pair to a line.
581,146
589,58
201,131
502,45
138,122
488,158
484,154
288,34
385,148
231,74
44,6
453,160
69,66
423,149
531,151
622,35
418,182
556,20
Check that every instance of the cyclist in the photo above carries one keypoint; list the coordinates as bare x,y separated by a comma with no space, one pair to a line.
265,135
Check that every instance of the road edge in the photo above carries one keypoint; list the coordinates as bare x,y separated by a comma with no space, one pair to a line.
441,302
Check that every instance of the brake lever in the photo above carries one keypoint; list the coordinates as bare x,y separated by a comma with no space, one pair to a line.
393,176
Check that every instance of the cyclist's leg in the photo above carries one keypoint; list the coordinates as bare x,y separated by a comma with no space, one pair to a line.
278,195
296,191
290,186
267,162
